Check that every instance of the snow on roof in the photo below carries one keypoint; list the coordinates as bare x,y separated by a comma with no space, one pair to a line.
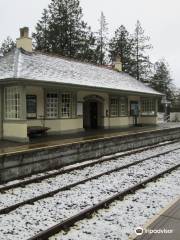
19,64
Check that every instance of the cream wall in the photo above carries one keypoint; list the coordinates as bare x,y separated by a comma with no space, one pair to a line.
106,122
25,43
34,122
149,120
119,121
64,124
58,125
15,131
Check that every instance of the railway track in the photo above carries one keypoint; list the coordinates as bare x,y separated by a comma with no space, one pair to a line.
68,169
64,225
72,185
130,171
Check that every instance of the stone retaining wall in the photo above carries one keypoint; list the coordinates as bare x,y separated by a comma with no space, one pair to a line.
25,163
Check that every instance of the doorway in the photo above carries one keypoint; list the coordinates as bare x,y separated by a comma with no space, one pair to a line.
92,114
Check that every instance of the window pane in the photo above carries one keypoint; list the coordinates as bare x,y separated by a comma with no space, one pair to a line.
123,106
114,107
31,103
52,105
66,105
148,107
12,104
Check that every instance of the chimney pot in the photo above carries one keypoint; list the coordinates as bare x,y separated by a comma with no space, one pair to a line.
24,41
118,64
24,32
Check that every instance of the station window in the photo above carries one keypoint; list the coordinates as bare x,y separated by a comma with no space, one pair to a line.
12,102
66,105
148,107
118,106
123,106
31,106
52,105
114,107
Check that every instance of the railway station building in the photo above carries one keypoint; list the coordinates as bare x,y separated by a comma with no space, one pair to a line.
63,95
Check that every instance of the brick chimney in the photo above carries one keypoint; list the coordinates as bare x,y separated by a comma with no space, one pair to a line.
24,41
118,64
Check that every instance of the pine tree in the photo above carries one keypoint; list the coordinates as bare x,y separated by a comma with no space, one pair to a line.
101,41
61,30
161,79
87,46
42,31
7,45
122,44
176,102
142,65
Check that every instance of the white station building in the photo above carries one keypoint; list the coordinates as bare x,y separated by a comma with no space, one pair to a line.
43,91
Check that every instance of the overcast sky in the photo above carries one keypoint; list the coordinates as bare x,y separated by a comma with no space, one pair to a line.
159,18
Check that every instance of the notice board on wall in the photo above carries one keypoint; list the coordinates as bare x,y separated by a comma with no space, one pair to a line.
79,108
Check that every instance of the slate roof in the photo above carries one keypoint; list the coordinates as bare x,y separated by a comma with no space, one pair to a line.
19,64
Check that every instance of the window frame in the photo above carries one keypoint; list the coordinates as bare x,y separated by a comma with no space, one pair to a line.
148,107
51,105
125,103
68,114
112,109
12,103
121,100
35,112
73,101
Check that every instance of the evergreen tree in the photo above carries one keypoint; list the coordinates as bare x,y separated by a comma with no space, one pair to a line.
142,65
7,45
101,41
161,79
42,33
61,30
176,102
122,44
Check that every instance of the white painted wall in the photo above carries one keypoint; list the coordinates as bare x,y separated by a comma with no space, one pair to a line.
64,125
15,131
119,121
148,119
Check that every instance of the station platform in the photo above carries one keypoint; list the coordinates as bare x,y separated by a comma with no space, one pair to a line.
41,142
165,226
53,152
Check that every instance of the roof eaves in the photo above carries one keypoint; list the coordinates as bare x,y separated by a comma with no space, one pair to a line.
157,94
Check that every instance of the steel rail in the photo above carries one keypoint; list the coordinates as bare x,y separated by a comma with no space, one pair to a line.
64,225
68,187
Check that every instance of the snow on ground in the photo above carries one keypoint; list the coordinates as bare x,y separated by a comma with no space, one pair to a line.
20,194
31,219
123,217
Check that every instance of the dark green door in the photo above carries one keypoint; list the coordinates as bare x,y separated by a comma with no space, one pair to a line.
93,115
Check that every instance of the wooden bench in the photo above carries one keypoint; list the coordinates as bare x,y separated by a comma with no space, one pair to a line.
33,130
